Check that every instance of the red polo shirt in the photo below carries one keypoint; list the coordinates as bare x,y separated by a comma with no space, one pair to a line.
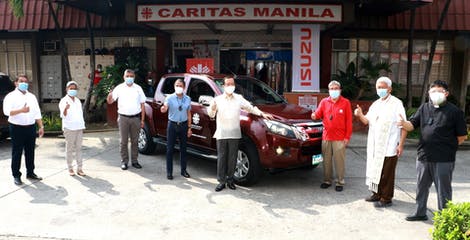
337,118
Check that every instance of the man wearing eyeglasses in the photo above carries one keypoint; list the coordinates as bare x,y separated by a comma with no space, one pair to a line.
443,128
178,106
336,113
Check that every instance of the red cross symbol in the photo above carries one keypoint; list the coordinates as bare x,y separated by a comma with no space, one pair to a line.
147,13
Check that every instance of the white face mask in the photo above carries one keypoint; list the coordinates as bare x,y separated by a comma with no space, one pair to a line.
229,89
437,97
178,90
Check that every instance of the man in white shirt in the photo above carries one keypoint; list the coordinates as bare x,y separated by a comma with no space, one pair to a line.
131,99
72,124
23,113
227,106
384,142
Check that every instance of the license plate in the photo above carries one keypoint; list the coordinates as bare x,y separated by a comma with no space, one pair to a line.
316,159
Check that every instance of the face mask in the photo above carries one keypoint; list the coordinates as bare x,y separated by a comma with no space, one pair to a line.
72,92
334,93
22,86
437,98
178,90
229,89
129,80
382,92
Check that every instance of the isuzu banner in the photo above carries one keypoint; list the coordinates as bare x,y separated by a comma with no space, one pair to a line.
306,58
321,13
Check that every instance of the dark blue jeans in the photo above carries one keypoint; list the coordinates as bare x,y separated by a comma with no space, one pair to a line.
174,131
22,138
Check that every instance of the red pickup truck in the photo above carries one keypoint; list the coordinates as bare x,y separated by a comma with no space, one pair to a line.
292,139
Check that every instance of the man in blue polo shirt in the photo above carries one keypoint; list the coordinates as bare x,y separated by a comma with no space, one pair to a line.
178,106
443,128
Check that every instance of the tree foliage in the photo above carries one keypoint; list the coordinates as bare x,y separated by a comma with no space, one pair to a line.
17,8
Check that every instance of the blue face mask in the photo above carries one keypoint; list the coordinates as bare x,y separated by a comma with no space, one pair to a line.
334,93
129,80
382,92
22,86
72,92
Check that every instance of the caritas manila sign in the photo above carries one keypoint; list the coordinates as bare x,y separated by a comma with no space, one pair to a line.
312,13
200,65
306,58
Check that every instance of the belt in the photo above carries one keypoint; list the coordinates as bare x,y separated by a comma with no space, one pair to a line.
178,123
130,116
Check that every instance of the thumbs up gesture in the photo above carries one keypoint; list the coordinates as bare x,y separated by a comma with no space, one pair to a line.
358,111
25,108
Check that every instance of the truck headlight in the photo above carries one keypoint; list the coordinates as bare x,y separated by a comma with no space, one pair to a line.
284,130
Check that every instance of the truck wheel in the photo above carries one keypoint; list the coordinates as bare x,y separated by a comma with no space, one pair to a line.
145,142
247,169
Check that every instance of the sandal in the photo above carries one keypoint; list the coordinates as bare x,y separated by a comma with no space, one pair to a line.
81,173
71,172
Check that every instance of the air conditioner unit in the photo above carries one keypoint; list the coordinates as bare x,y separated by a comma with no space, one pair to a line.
50,46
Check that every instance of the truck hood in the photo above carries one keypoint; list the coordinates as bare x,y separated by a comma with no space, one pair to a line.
291,113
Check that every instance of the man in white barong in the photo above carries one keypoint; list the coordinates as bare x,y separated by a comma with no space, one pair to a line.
384,142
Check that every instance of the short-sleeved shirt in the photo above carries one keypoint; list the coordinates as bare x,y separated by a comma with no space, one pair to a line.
129,98
74,119
337,118
174,103
16,100
228,114
439,130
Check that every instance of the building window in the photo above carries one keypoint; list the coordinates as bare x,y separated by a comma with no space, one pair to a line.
394,52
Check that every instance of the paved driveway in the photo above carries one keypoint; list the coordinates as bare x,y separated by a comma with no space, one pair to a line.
142,204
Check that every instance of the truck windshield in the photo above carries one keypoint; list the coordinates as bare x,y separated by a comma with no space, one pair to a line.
253,90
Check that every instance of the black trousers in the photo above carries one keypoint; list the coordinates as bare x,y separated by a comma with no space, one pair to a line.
22,138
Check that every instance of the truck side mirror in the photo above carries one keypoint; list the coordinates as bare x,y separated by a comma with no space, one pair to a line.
205,100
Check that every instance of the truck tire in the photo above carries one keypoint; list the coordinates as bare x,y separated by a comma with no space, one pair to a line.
145,142
247,168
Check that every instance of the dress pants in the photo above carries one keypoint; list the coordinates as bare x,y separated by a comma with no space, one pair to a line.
333,150
129,127
73,146
227,152
174,131
441,174
387,179
22,138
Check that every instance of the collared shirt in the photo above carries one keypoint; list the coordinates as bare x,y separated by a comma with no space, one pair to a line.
74,119
16,100
228,115
440,128
337,118
174,102
390,108
129,98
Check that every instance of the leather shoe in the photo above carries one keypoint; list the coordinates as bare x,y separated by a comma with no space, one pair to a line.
18,181
382,204
231,185
219,187
169,177
372,198
339,188
124,166
136,165
412,218
33,177
185,174
325,185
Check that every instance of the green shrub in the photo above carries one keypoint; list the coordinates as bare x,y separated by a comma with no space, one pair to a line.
453,222
417,132
52,122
